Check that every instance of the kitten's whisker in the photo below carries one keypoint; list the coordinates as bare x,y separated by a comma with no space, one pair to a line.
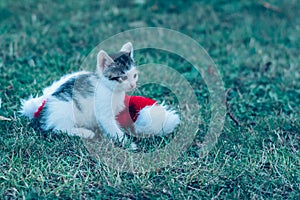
137,90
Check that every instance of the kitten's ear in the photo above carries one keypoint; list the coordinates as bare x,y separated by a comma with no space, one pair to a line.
103,60
128,48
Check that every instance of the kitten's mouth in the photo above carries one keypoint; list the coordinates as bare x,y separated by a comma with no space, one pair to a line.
131,89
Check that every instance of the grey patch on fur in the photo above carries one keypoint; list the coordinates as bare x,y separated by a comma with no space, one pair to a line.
80,84
123,60
83,85
65,91
77,104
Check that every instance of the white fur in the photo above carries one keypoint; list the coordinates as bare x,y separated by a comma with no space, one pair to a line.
156,120
30,106
111,104
63,116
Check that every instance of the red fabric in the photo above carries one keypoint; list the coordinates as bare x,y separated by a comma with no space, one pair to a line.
37,113
133,105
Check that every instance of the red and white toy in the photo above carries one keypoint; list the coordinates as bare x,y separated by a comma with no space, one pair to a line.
145,116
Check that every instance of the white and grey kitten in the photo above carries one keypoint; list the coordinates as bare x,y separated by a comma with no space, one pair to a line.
81,102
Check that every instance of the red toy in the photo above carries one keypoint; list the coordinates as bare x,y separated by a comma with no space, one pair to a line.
147,117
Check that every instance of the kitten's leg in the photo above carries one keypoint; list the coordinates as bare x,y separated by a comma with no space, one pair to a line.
81,132
112,130
105,117
59,115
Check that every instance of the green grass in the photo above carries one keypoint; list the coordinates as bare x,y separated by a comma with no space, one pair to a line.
255,45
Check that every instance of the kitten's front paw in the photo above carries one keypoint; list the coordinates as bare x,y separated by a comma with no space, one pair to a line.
128,144
81,132
88,134
133,146
85,133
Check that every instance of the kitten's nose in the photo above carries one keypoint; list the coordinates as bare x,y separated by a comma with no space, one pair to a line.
132,85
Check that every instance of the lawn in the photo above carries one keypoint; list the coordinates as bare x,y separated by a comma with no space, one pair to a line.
255,46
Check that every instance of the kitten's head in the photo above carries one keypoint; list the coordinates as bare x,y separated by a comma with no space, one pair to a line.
118,69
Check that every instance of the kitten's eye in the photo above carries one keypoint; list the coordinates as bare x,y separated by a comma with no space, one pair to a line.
114,78
124,78
135,75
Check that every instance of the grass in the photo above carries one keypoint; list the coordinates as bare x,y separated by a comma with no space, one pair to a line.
256,48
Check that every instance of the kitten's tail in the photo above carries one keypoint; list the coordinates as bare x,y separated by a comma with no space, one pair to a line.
31,105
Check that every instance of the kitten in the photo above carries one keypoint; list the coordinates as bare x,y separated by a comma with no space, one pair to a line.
81,102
